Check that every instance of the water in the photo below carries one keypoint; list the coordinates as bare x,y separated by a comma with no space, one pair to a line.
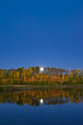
42,107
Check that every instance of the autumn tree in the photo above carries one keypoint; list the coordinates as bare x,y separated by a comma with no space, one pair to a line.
4,74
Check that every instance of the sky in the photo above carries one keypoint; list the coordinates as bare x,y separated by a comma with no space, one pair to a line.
45,33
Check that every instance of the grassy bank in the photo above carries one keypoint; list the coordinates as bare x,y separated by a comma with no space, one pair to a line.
28,87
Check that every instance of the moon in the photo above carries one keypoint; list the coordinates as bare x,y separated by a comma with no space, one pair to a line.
41,69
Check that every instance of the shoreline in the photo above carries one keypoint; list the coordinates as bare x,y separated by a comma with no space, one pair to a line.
40,86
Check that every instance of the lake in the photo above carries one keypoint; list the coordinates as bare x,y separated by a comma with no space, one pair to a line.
42,106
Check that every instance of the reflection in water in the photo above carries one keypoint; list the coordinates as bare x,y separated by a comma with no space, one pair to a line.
46,96
41,100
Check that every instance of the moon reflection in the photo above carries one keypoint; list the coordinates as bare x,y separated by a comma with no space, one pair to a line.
41,100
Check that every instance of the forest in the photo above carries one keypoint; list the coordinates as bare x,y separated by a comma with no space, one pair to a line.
33,76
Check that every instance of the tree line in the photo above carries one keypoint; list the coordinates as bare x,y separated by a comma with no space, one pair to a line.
48,76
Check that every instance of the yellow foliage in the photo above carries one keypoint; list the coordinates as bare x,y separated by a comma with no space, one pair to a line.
70,73
24,77
63,77
33,78
37,76
17,74
14,76
30,70
11,82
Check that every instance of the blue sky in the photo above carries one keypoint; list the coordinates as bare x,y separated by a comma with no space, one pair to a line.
41,33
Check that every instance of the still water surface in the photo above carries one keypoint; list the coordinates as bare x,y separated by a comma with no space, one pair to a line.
42,107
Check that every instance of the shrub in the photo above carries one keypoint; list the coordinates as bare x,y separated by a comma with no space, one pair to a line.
0,82
41,82
9,82
31,83
21,82
13,81
49,83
